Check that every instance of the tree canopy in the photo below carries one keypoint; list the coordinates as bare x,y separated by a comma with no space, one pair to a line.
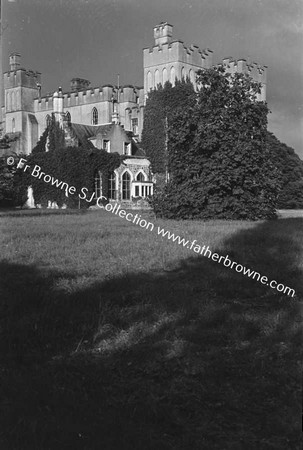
291,168
218,160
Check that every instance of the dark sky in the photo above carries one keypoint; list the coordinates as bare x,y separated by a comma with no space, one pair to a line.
97,39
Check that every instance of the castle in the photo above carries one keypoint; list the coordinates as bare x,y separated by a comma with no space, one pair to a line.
110,116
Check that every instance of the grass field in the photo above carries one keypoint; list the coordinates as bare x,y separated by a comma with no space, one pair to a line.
115,338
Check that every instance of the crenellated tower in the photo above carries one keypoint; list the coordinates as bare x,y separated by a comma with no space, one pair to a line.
21,87
170,59
255,70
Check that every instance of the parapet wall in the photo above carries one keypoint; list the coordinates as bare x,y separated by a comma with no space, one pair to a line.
176,51
108,93
255,70
21,77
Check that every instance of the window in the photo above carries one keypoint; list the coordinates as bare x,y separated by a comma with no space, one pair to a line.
164,75
172,75
68,117
126,186
13,126
149,81
157,78
136,191
135,126
94,116
98,184
112,185
127,148
106,145
9,102
13,101
140,177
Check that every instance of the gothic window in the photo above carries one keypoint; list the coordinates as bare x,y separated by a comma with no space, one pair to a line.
8,102
149,81
94,116
157,78
192,76
68,117
112,185
13,101
164,74
13,126
98,184
140,177
135,126
172,75
126,186
183,73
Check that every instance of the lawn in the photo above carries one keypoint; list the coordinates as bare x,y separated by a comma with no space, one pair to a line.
115,338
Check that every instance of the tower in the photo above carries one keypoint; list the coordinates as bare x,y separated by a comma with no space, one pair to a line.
21,87
170,59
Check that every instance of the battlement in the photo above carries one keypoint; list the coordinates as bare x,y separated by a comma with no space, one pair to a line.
255,70
107,93
22,77
176,51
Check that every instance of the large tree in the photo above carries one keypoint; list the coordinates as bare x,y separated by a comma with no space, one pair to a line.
291,168
217,155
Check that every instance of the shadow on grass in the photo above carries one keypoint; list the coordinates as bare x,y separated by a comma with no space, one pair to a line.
195,358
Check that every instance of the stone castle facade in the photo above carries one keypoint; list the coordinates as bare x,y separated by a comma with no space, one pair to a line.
26,111
109,117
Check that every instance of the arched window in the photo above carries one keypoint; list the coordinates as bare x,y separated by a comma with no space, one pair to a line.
48,120
13,101
157,78
164,75
68,117
8,101
112,185
192,76
172,75
98,184
183,73
149,81
126,186
140,177
94,116
13,126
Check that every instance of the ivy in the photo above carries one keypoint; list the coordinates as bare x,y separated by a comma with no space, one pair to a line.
160,105
219,164
291,168
72,165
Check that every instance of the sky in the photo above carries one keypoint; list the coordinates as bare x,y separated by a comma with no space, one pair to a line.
98,39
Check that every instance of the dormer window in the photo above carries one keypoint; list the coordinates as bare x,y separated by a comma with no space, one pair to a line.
106,145
127,148
135,126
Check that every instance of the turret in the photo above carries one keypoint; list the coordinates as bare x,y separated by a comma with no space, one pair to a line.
163,33
14,61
